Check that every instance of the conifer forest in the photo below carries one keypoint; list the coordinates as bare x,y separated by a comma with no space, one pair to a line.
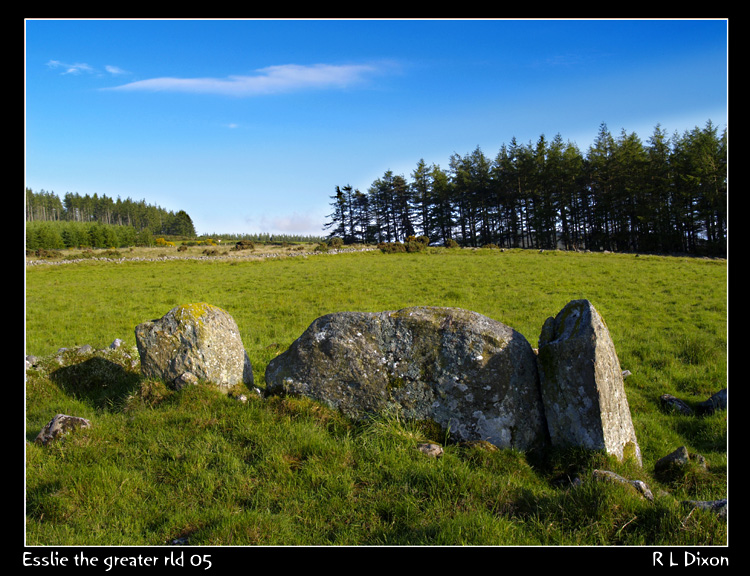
667,195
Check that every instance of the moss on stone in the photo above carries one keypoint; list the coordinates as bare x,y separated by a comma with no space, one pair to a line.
630,451
432,430
396,382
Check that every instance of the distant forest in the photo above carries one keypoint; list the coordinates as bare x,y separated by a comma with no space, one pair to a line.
97,221
666,196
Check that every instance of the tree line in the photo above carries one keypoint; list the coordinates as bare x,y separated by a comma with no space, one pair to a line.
667,196
73,207
97,222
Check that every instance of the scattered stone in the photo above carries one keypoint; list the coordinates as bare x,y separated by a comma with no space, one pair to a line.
430,449
116,343
716,402
459,369
59,426
643,489
719,507
677,459
640,486
243,398
672,403
626,373
582,384
198,341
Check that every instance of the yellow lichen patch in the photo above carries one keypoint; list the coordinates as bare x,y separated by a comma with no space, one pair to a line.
188,312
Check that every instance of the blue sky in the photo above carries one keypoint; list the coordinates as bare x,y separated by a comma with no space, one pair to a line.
249,125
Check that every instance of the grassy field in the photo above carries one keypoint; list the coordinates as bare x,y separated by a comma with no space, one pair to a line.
158,465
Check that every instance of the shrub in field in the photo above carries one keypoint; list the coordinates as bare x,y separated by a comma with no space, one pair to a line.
391,247
42,253
244,245
410,244
417,243
335,243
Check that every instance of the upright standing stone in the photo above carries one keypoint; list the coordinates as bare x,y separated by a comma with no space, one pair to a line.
582,385
194,342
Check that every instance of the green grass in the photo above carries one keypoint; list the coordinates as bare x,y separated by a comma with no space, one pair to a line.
158,465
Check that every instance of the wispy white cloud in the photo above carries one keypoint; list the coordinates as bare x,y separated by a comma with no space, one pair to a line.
270,80
115,70
83,68
77,68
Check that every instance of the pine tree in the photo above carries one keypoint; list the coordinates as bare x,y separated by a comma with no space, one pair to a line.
443,206
182,225
337,219
421,191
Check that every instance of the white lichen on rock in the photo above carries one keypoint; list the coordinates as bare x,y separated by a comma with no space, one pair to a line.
582,383
194,342
464,371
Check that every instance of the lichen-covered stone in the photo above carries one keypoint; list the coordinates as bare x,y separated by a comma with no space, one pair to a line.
639,485
194,341
59,426
672,403
718,507
468,373
715,403
677,459
582,384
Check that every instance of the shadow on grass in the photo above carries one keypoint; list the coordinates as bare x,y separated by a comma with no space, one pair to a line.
96,381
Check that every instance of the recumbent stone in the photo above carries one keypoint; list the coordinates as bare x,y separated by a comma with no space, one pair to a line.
468,373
